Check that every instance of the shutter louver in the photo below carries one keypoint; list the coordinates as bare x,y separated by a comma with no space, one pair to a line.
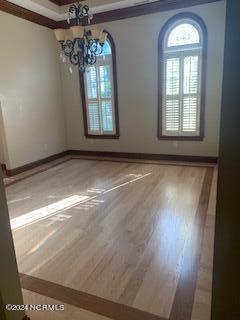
172,115
99,96
105,81
189,114
172,71
93,116
107,116
91,78
190,75
190,95
172,95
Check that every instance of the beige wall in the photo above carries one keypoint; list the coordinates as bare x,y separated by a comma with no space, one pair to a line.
30,91
136,44
31,95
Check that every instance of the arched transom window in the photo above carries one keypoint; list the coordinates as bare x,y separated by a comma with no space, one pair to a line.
181,79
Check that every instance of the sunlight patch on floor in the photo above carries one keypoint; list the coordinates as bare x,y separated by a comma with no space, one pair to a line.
85,201
45,212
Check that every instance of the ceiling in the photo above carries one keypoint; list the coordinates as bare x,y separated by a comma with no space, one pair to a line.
50,9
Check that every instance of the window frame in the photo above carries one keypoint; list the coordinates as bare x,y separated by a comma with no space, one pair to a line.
87,134
166,29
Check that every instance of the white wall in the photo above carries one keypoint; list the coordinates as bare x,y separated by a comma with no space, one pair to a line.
30,91
137,57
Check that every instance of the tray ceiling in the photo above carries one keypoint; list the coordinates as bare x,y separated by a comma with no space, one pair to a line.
53,11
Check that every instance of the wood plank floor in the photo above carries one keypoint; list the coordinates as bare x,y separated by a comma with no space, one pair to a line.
69,312
115,230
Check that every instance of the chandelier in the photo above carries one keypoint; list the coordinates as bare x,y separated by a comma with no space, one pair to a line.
86,43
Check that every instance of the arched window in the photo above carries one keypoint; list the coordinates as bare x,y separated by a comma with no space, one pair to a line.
182,69
99,95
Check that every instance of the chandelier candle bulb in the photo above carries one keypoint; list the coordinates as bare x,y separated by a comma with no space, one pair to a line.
77,31
60,34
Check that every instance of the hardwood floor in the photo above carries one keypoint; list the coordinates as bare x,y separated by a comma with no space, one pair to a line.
69,312
203,292
128,233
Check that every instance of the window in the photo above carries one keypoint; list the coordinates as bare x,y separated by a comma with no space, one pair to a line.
182,64
99,96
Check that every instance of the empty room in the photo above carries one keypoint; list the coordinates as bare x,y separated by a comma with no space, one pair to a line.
119,159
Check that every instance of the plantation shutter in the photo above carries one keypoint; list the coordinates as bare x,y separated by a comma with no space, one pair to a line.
92,100
191,99
172,98
106,98
181,98
100,97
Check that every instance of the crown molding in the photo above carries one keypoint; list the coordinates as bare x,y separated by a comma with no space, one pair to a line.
57,2
140,10
26,14
117,14
63,2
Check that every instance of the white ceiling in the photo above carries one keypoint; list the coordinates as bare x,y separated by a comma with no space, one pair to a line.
52,11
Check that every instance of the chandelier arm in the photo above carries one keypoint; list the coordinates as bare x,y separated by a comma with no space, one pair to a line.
100,49
95,47
67,47
85,11
92,58
76,56
79,12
